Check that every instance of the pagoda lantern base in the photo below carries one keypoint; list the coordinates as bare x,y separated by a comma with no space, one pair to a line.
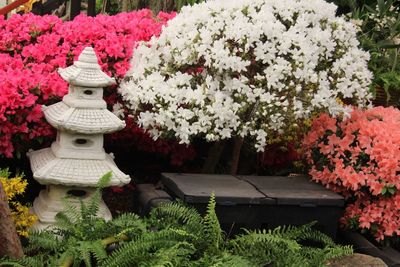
52,200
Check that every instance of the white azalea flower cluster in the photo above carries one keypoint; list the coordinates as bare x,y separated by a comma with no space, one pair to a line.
246,67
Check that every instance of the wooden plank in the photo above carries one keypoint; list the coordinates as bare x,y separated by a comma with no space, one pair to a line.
5,10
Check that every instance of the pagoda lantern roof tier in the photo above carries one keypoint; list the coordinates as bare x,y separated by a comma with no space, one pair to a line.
86,71
82,120
48,169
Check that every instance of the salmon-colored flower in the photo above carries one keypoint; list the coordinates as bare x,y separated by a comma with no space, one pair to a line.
360,159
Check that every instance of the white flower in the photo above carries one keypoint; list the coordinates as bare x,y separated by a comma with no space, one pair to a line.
246,67
118,110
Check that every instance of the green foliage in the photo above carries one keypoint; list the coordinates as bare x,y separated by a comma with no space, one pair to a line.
379,23
212,230
78,237
181,237
180,3
115,6
173,235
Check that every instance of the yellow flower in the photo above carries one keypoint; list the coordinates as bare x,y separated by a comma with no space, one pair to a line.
339,101
23,219
13,186
27,7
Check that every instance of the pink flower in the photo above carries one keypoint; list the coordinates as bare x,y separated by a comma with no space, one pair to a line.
360,158
32,48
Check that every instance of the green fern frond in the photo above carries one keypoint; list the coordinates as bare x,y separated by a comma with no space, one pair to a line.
104,181
222,260
71,210
129,253
133,252
98,251
66,257
178,211
303,233
13,263
63,222
129,224
34,261
308,234
212,228
44,240
336,252
178,214
177,255
84,250
262,238
127,220
317,257
91,208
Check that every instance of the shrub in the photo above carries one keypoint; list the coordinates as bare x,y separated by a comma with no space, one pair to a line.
13,187
380,35
208,77
359,157
173,235
32,48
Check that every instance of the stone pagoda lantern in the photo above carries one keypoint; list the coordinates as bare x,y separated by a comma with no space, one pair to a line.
76,160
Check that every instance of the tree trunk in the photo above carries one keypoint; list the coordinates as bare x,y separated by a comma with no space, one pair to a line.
125,6
10,245
237,147
214,154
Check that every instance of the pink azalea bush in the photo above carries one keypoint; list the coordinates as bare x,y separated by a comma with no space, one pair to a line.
359,157
32,48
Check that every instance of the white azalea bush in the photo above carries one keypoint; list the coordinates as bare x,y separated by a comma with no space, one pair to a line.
246,68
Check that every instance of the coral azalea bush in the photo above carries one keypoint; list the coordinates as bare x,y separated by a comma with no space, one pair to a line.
32,48
277,64
360,158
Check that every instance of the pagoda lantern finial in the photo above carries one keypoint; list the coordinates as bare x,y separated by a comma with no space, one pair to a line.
86,71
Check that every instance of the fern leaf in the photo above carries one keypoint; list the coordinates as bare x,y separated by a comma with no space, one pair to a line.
67,258
91,208
263,239
104,181
126,219
224,259
11,263
336,252
63,222
179,214
84,250
129,224
44,240
130,253
98,251
177,255
35,261
71,210
315,236
212,228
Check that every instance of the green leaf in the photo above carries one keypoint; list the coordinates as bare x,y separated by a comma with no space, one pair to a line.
392,190
384,190
387,44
